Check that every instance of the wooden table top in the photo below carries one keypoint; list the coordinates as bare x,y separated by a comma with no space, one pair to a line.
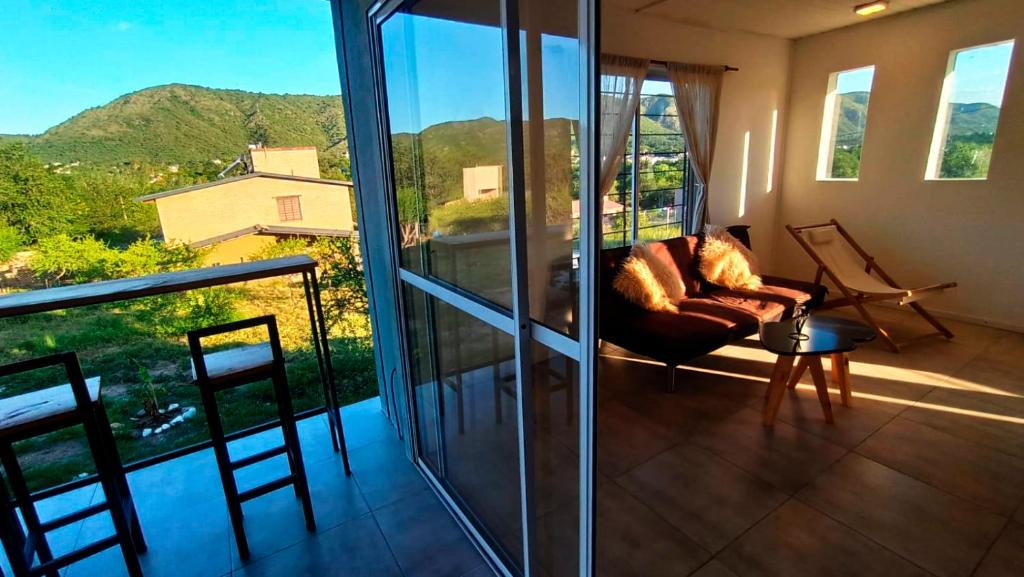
66,297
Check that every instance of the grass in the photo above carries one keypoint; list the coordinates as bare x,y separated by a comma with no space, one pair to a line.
114,341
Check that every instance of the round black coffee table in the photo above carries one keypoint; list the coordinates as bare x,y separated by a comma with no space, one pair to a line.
810,339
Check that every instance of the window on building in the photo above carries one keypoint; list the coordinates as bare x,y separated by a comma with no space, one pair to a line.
843,123
972,95
654,187
289,208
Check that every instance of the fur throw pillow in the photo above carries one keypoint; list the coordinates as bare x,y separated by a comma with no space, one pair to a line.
647,282
667,275
724,261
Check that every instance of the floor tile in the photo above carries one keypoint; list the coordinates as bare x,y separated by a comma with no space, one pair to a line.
190,539
707,498
625,438
1007,555
481,571
633,540
275,521
714,568
797,541
852,424
934,530
418,529
365,422
783,455
355,547
965,469
995,422
383,473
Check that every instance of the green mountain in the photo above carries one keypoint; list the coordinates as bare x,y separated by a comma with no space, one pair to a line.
974,118
966,119
179,123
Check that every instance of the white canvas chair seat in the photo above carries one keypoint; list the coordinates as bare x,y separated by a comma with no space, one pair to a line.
846,264
850,268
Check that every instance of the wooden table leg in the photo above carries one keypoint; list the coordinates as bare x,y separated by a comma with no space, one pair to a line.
841,376
776,388
801,366
821,385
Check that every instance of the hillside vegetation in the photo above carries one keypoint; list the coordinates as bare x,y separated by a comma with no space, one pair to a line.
180,124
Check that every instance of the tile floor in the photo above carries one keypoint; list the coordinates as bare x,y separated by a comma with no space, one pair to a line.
922,475
381,521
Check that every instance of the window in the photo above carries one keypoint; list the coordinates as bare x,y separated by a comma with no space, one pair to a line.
655,188
842,129
969,107
289,208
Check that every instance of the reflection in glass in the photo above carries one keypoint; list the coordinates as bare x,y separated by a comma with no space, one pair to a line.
444,74
556,461
465,408
551,109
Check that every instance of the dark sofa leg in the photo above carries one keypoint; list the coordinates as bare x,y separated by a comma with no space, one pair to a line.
670,378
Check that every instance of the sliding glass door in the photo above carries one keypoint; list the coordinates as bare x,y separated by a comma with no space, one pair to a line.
484,157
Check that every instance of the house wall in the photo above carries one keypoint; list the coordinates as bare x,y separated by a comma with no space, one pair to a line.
297,161
921,231
750,98
481,182
237,250
216,210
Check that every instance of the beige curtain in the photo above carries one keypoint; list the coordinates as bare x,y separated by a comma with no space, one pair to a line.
621,78
697,89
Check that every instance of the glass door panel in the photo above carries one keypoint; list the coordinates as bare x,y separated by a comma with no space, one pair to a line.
556,460
464,374
551,109
492,344
444,75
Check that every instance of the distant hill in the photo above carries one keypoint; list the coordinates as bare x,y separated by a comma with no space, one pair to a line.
974,118
179,123
966,119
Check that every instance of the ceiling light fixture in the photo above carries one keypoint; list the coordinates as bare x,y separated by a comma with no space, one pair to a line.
871,7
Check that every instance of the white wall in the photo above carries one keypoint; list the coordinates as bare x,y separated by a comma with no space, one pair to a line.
921,231
749,97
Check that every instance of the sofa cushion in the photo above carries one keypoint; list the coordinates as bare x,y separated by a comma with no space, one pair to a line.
669,337
793,292
763,306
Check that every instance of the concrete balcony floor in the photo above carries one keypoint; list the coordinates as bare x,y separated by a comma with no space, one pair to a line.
381,521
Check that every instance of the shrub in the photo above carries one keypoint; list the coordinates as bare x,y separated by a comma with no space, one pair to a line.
62,258
10,241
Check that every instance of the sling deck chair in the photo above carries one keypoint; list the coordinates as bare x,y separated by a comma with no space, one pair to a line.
844,267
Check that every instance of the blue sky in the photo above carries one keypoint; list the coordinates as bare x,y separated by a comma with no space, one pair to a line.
442,71
858,80
980,75
59,57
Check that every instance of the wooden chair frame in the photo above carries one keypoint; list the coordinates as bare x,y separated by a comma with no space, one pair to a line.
858,299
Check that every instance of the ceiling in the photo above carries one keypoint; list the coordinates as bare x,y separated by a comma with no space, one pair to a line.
783,18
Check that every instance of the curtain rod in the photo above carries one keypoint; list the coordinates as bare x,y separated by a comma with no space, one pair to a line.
726,66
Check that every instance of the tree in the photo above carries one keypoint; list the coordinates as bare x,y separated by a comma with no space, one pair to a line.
34,199
962,160
846,162
10,241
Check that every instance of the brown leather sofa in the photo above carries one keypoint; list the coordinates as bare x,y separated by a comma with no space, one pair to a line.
709,319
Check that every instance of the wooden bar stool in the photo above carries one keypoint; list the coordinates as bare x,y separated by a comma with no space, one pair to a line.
40,412
235,367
